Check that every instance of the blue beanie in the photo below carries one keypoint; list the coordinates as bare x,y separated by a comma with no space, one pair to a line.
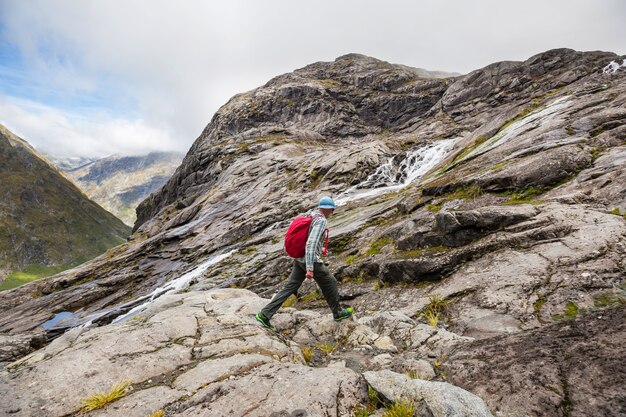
326,203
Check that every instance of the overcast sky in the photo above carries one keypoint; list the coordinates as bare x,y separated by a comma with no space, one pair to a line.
93,78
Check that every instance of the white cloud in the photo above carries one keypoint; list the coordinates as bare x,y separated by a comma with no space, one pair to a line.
63,134
172,64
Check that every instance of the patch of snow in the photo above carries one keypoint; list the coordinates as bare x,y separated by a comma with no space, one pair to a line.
613,67
393,176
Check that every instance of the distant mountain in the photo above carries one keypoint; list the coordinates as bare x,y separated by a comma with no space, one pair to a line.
68,164
46,223
120,183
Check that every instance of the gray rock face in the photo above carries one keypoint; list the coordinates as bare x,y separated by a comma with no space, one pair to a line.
353,96
486,218
579,362
598,184
436,399
15,347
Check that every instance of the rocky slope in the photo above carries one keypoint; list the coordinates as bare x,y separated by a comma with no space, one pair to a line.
120,183
46,220
69,163
481,241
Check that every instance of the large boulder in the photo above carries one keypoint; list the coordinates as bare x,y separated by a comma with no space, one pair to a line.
432,399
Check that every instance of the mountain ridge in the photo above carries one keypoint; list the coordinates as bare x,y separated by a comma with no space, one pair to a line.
73,229
119,183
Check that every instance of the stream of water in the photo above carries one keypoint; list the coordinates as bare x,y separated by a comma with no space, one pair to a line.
66,320
174,285
518,127
393,175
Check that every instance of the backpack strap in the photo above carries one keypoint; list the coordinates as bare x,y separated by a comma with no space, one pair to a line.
325,249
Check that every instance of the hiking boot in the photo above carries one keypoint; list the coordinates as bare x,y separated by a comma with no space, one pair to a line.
346,313
265,322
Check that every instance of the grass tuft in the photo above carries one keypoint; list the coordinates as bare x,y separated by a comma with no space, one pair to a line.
525,196
350,259
400,409
466,193
434,208
597,151
373,397
158,413
415,374
431,316
362,412
439,303
307,353
327,348
436,309
102,399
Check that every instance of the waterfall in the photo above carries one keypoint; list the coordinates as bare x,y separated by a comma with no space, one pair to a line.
393,175
613,66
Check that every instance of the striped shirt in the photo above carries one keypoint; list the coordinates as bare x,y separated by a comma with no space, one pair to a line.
316,240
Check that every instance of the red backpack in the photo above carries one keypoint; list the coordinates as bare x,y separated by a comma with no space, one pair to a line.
297,235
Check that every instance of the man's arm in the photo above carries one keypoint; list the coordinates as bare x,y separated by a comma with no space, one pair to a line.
318,226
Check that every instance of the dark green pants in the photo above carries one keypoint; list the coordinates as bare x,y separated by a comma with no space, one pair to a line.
321,275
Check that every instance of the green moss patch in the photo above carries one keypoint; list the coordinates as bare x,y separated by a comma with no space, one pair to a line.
469,192
608,300
571,311
500,165
31,273
310,297
416,253
376,246
537,305
433,208
525,196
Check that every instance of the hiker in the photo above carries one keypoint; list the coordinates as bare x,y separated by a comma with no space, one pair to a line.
310,266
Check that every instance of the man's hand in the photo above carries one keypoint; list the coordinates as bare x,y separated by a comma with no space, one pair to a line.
309,274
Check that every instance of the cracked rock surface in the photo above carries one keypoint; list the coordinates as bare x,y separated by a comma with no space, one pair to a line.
573,368
193,354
